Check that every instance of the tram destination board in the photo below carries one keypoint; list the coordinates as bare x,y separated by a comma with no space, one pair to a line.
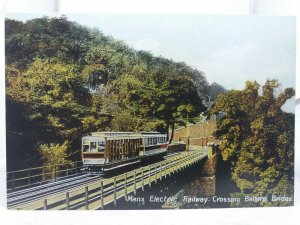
149,111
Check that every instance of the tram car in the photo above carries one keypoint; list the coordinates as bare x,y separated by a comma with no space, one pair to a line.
108,150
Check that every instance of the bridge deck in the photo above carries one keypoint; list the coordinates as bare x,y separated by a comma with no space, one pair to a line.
97,194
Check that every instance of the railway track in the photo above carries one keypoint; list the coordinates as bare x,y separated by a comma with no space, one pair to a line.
64,184
39,192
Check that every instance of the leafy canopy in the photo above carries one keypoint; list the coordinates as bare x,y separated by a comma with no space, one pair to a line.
258,137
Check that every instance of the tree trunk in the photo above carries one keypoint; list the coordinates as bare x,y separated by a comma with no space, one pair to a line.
172,132
168,125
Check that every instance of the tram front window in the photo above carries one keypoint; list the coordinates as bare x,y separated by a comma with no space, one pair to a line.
93,147
85,148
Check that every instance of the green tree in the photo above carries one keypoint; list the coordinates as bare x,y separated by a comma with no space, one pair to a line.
46,38
175,97
215,90
53,154
54,98
258,137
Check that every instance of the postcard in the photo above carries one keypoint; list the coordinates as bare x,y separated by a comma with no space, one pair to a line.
149,111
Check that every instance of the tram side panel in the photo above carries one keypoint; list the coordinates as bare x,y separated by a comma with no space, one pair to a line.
120,149
155,144
114,150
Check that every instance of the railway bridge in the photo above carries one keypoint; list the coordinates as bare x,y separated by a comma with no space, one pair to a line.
66,187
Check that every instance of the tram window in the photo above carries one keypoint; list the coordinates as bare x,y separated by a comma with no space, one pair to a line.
101,146
85,148
93,147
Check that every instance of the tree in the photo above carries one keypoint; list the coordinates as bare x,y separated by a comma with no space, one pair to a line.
54,100
215,90
176,97
53,154
46,38
258,138
95,75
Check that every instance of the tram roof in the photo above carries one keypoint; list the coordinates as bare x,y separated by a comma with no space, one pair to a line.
124,134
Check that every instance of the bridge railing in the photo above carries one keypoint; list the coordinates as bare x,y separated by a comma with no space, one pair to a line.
27,177
106,191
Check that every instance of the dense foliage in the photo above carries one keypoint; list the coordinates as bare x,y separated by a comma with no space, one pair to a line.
64,80
258,138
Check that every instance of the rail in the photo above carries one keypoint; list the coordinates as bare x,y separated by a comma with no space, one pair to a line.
27,177
106,191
